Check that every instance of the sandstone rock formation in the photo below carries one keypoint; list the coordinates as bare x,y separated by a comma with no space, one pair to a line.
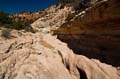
26,16
42,56
53,18
93,32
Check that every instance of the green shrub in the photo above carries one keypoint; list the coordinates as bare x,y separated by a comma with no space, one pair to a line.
66,1
4,18
8,22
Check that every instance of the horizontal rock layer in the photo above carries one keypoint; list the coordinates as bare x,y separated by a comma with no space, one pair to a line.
95,32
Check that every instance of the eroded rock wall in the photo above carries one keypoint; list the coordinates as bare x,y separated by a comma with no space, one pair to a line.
95,32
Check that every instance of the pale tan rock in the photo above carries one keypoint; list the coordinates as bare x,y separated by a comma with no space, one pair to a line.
42,56
31,57
25,55
54,17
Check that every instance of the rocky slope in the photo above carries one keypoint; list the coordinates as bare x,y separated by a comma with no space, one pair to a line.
93,32
42,56
53,18
90,28
26,16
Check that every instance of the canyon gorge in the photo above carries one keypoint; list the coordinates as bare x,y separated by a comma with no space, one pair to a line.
78,40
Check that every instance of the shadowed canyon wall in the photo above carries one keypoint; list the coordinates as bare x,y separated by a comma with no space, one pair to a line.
95,32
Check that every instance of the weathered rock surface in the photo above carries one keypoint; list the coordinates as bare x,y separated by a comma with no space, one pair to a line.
42,56
53,18
95,32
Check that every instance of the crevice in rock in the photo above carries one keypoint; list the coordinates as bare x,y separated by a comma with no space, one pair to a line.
8,50
82,74
68,66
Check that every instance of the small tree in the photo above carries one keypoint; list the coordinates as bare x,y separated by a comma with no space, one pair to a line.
69,1
4,18
10,22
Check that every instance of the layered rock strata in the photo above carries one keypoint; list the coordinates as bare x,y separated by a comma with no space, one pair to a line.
95,32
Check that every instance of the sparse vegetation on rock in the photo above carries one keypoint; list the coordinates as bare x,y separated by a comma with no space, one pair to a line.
8,22
85,44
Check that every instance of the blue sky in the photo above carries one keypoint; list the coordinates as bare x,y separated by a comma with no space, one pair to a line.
14,6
